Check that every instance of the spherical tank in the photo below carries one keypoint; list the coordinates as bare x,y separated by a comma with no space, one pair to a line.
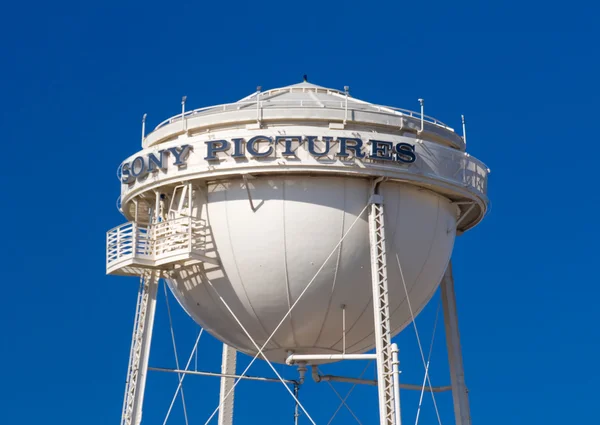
270,253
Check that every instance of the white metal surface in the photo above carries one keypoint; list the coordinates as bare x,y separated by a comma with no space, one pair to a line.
306,109
140,350
444,169
314,358
381,309
460,394
268,255
228,362
326,98
126,242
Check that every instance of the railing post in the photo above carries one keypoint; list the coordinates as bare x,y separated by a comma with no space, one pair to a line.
422,102
258,89
107,248
134,238
144,127
152,240
346,88
118,241
183,120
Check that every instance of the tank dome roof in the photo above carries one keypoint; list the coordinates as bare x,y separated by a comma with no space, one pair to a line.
310,95
307,102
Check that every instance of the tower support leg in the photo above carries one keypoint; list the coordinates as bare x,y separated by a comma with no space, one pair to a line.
381,310
460,396
228,364
140,349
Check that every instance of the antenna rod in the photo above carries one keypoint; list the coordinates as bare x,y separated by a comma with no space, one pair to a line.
464,126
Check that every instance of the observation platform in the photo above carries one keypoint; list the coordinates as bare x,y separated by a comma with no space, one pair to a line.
133,248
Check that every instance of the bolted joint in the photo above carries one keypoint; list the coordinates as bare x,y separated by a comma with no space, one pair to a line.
301,372
315,374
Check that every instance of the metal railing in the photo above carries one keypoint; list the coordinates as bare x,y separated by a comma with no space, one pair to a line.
286,104
453,166
132,241
126,241
174,235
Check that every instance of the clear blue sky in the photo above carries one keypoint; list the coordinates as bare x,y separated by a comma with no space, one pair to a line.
76,78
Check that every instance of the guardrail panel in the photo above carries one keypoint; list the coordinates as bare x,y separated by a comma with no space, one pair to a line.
157,241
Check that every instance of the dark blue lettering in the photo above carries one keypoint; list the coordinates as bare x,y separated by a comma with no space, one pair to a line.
215,146
350,144
254,152
381,150
405,153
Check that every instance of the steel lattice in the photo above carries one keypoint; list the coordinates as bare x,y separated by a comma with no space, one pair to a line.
381,310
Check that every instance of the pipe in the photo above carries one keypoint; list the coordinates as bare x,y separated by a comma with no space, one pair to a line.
293,358
373,382
376,198
375,186
135,203
221,375
296,411
344,328
314,371
301,372
333,378
396,374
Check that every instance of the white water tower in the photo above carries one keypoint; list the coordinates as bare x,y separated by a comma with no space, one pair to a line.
299,225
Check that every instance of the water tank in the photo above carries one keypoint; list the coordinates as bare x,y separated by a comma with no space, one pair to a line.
278,179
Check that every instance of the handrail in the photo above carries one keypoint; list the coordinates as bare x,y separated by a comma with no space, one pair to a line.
130,240
320,104
119,226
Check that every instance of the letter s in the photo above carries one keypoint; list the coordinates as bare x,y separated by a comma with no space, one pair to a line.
405,153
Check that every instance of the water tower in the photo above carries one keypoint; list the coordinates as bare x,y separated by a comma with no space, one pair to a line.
299,225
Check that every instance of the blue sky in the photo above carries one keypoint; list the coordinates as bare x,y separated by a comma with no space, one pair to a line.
76,78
